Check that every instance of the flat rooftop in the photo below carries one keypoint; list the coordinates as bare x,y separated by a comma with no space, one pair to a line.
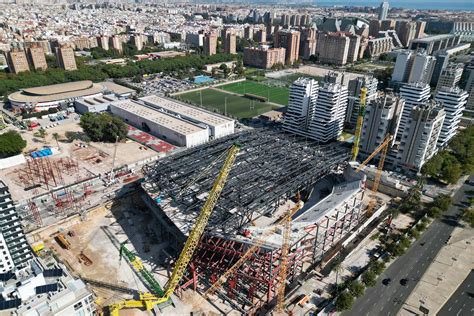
270,167
185,110
157,117
98,100
116,88
433,38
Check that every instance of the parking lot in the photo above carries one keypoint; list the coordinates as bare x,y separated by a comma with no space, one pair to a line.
162,85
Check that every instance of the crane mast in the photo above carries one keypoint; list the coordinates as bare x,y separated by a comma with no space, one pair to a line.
360,120
148,300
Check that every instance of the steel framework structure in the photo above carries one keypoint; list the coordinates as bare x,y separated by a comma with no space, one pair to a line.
270,169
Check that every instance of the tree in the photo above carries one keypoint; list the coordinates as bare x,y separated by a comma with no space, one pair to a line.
356,288
443,201
344,301
434,212
468,216
11,144
41,133
377,267
56,138
451,172
369,277
338,268
103,127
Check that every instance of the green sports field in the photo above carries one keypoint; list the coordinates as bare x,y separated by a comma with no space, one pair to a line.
237,106
290,78
277,95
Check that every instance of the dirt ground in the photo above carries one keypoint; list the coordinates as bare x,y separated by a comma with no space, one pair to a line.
92,159
99,237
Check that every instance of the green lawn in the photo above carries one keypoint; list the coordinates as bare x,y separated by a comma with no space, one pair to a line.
237,106
277,95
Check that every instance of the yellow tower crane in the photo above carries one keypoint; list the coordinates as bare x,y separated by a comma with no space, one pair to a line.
149,300
285,248
360,120
246,256
384,149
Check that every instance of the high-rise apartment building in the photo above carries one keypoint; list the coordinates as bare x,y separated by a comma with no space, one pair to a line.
375,26
17,61
290,41
248,32
15,251
116,43
406,31
418,141
354,47
329,113
415,95
308,42
333,48
103,42
354,92
137,41
453,101
442,61
383,10
301,106
413,67
382,117
450,76
230,41
285,19
65,58
37,58
263,56
260,36
210,44
422,68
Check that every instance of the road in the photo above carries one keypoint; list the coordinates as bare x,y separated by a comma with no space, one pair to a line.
387,300
461,303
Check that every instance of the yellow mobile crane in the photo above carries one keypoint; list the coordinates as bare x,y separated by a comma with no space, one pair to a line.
148,300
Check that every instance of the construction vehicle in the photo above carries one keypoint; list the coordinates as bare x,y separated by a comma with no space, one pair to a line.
62,241
360,120
149,300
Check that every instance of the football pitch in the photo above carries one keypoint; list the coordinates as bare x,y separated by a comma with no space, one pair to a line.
277,95
227,104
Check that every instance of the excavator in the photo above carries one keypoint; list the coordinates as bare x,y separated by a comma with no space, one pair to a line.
149,300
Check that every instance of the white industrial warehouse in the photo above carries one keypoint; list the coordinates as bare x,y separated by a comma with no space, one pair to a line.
218,125
165,126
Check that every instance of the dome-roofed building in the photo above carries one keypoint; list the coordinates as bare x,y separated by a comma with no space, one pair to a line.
45,97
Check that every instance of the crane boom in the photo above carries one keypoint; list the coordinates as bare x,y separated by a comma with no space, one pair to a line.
148,300
285,247
249,252
360,119
201,223
385,143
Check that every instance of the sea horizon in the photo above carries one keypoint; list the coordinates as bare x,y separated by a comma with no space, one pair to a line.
460,5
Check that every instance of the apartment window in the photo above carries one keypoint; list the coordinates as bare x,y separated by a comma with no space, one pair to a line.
77,306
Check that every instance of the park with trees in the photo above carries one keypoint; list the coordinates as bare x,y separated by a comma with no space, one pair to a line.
99,72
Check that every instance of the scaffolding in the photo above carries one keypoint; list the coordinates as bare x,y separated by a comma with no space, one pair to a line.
270,169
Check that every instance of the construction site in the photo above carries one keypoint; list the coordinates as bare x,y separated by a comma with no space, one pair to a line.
239,257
